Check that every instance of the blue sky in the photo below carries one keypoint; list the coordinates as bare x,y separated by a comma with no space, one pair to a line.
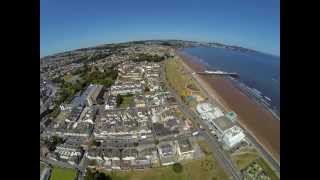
72,24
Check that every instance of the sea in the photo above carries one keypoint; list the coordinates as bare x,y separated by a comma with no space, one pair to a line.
257,71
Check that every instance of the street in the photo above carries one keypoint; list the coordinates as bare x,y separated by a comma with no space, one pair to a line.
45,174
222,158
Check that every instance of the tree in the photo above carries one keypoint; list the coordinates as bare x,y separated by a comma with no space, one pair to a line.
108,177
177,167
156,142
53,142
119,100
147,57
100,101
89,175
101,176
96,143
96,175
57,140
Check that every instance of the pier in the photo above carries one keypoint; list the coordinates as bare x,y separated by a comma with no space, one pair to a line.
221,73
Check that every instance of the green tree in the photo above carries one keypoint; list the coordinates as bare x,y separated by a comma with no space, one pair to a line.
89,175
96,143
147,57
156,142
53,142
119,100
177,167
57,140
101,176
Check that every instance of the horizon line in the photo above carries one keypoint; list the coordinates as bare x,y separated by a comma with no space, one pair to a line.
128,41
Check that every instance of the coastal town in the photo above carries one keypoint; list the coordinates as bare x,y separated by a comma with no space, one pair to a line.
136,107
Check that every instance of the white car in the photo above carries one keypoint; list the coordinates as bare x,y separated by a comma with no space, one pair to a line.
195,133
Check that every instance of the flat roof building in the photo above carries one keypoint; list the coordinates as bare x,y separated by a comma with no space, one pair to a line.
233,136
228,132
208,112
185,146
93,94
232,116
223,124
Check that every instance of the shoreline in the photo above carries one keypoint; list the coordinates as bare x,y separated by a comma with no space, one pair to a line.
255,119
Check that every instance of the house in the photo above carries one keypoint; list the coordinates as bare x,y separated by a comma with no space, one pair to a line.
185,149
94,92
94,154
168,153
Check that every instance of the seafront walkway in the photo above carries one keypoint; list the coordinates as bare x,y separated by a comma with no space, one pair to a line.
221,157
213,98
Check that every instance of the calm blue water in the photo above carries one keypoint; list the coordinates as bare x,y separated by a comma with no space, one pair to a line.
256,70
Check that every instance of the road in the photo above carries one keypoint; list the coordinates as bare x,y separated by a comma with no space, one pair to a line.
45,174
222,157
59,163
152,127
274,164
82,167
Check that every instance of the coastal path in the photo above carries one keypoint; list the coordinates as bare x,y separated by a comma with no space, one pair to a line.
222,157
275,165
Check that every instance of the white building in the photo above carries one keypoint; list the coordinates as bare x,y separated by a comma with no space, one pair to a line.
227,131
233,136
126,89
208,112
93,94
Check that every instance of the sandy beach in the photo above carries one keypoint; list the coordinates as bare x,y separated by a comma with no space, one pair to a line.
257,120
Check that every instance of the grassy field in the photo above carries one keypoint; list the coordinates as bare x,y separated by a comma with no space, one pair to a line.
71,78
182,82
204,169
267,169
127,101
67,77
243,159
204,147
62,174
177,78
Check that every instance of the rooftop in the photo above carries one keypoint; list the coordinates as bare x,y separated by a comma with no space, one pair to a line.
204,107
184,145
223,123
